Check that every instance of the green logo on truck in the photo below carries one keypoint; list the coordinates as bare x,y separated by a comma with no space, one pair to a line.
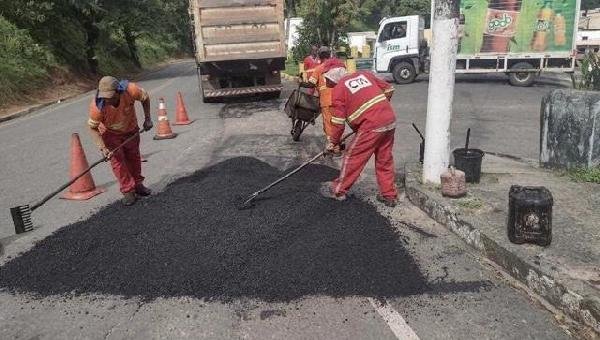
501,23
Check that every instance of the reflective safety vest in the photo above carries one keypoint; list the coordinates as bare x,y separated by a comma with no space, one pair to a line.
318,78
363,101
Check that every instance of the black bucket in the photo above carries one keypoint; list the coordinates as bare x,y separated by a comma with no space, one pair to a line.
469,161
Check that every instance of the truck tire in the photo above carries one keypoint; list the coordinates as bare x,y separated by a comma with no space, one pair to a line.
522,79
404,73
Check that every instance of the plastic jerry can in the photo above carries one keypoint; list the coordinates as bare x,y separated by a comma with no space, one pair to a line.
530,215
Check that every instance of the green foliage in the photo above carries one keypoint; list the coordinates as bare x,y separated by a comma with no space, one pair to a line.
471,203
590,73
23,63
89,36
326,22
370,12
590,4
591,175
291,67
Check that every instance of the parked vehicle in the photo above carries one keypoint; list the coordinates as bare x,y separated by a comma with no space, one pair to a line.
239,46
515,37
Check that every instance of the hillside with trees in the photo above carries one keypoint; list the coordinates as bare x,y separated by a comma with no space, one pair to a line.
45,40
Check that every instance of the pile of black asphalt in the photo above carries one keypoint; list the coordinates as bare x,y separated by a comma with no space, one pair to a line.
191,240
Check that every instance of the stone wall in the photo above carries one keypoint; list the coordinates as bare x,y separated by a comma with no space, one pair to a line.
570,129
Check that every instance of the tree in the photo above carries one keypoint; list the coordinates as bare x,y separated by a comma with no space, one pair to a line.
325,22
590,4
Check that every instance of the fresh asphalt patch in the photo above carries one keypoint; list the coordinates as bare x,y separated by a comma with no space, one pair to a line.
191,240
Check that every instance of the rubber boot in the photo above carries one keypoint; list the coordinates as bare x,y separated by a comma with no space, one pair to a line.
128,199
388,202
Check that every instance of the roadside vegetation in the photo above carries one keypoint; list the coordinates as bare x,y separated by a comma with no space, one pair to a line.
585,175
327,22
590,73
42,41
470,203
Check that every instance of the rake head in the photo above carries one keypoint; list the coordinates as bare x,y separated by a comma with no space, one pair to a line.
22,219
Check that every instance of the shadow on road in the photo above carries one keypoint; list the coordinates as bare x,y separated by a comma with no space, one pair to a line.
191,240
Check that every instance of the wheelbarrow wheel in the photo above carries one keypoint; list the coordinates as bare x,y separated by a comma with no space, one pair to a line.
297,130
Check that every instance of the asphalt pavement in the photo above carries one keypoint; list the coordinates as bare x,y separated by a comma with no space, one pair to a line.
503,119
90,275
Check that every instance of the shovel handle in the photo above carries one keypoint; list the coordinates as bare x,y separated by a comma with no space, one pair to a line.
291,173
468,139
89,168
419,132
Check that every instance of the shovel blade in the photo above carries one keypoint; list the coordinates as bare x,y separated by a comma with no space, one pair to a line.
22,219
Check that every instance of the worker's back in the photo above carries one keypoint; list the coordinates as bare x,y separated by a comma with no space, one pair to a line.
362,100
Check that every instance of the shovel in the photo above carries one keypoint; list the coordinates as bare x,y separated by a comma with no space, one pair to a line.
21,215
248,203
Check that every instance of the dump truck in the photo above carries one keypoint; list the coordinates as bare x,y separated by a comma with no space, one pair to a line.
521,38
239,47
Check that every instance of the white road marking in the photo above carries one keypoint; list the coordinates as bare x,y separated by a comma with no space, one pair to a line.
394,320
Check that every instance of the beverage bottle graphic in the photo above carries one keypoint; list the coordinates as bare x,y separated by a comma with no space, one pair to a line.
501,22
539,42
560,28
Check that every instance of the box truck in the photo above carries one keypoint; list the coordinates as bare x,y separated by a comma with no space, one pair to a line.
239,47
520,38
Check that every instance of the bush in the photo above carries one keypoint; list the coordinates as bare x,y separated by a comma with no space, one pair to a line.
152,50
24,65
591,175
590,73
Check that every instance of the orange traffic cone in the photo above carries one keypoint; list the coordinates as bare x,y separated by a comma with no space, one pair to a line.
84,188
163,130
181,116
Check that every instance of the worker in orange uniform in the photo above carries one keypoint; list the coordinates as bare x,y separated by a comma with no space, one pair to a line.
311,62
362,101
112,120
318,80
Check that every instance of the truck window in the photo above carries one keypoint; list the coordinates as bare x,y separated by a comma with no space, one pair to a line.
393,30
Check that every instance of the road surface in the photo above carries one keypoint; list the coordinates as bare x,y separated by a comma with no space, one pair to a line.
466,298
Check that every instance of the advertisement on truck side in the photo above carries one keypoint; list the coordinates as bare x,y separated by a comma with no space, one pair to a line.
517,26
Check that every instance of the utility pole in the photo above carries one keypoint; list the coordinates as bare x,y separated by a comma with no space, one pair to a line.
445,18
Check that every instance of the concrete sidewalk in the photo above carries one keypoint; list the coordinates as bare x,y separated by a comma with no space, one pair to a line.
566,273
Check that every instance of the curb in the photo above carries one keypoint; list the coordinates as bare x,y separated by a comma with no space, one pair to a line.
585,309
27,111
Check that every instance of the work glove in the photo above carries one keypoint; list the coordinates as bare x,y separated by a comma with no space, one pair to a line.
148,124
106,152
332,150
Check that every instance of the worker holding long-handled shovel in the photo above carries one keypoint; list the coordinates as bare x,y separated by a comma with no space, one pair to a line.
362,101
112,121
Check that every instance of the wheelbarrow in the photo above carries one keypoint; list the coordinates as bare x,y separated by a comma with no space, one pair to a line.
303,109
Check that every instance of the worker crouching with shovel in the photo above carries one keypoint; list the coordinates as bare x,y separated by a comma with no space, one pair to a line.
363,101
112,122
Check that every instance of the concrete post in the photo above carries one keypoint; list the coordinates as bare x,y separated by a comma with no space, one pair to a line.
441,89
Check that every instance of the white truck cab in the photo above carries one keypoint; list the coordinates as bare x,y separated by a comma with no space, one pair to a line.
400,47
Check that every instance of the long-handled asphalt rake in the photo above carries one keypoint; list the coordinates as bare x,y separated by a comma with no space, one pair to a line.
21,215
248,203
